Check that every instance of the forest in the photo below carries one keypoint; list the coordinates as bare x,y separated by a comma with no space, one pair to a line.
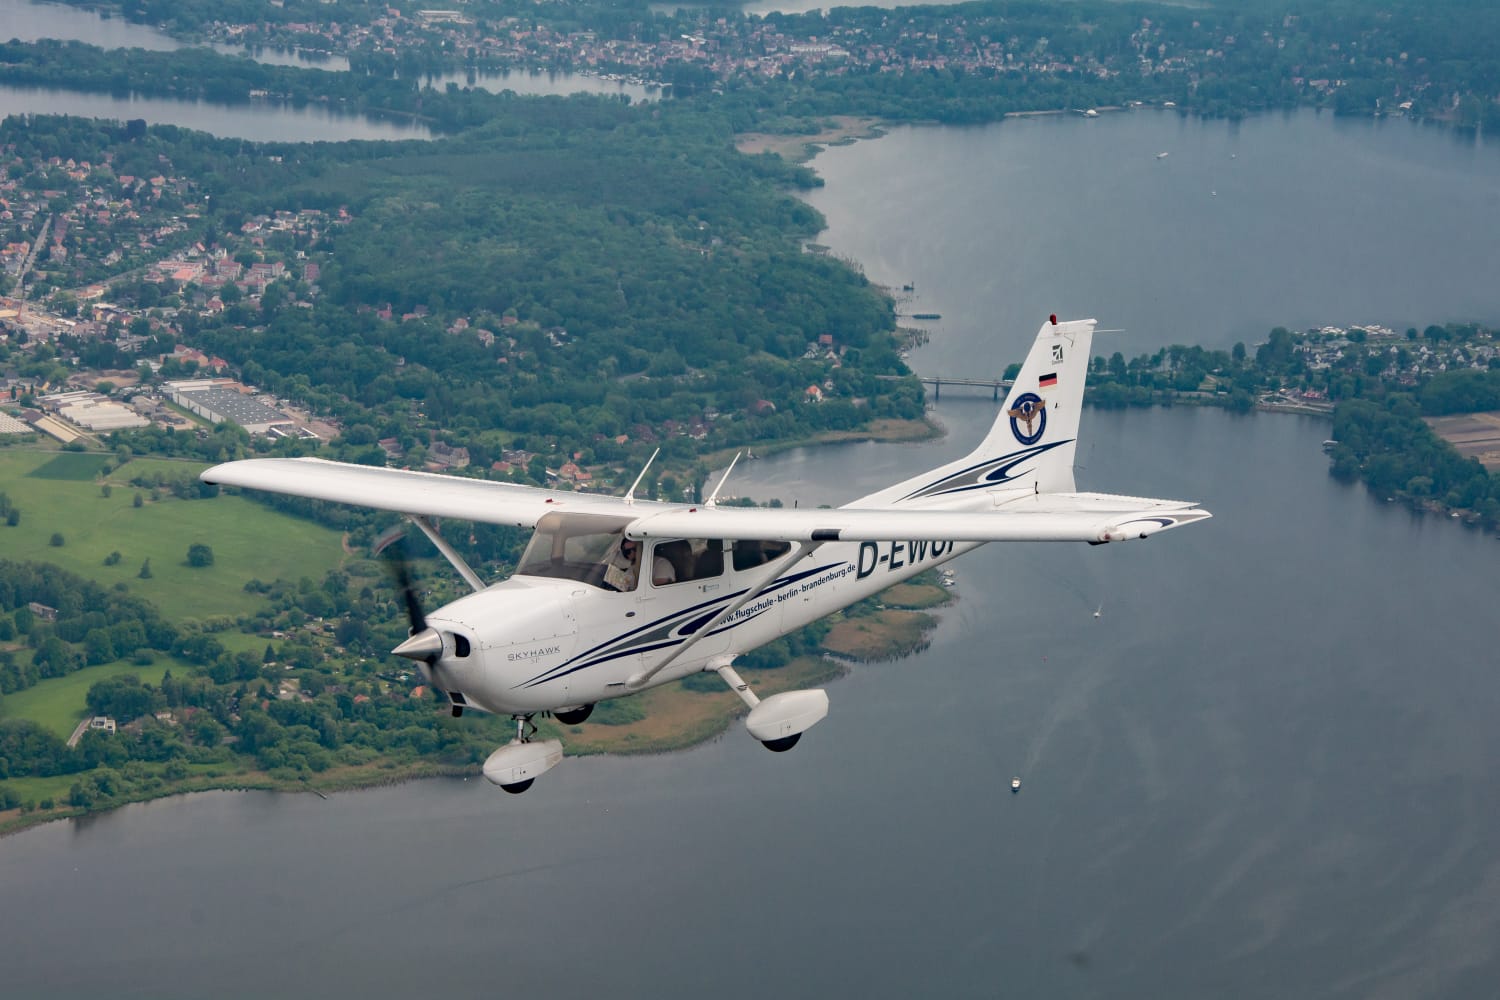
576,272
1380,391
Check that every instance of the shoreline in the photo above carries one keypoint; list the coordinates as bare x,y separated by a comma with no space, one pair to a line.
801,147
676,718
886,431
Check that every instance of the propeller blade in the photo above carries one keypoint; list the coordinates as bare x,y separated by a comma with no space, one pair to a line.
409,595
424,644
392,545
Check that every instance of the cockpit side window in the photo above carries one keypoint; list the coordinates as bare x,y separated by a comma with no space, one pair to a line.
687,559
750,554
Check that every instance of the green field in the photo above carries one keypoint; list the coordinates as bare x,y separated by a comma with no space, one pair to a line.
59,493
58,703
71,466
36,789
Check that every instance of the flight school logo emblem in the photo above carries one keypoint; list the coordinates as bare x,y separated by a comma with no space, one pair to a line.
1029,412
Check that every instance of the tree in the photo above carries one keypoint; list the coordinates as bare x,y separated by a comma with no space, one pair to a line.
145,573
200,555
123,697
57,541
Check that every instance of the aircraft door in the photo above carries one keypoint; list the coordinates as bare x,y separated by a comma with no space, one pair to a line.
751,561
685,589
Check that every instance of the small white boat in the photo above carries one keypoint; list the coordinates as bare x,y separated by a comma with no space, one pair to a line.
1161,156
1015,785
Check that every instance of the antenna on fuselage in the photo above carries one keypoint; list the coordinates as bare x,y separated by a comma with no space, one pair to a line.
630,493
713,498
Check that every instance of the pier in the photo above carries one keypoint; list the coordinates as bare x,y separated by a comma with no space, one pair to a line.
938,381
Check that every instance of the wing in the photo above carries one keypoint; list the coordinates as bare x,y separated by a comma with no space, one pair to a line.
1057,517
1054,517
417,493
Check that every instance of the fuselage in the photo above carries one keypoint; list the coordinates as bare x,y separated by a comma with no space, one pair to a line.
537,643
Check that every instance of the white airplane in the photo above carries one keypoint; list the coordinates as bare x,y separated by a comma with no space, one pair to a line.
583,620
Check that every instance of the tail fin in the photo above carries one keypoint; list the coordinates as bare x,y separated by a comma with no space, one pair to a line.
1031,445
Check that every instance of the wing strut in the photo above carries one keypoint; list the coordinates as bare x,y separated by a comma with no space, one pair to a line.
713,498
803,550
449,553
630,495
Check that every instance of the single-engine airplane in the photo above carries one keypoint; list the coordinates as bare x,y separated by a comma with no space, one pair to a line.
615,595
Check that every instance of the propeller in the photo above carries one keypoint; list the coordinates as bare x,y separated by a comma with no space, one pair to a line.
424,645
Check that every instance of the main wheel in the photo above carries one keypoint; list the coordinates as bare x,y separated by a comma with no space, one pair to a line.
783,744
518,787
573,716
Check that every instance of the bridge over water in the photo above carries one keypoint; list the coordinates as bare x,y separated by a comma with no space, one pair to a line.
938,381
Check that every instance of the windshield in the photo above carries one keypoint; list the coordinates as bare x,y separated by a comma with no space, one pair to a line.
580,547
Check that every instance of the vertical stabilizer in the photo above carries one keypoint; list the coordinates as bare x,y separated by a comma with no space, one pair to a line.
1035,434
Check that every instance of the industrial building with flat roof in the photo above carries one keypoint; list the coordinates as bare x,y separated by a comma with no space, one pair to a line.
220,400
92,411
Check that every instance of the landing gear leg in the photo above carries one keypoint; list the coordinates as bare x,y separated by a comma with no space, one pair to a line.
525,728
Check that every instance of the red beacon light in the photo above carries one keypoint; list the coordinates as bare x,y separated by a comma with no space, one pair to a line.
1053,319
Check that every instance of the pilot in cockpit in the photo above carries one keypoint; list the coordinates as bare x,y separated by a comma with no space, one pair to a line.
623,569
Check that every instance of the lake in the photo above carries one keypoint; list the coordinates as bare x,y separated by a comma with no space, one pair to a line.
1293,220
25,21
1266,770
258,121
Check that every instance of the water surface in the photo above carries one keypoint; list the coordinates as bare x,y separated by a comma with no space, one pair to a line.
1293,220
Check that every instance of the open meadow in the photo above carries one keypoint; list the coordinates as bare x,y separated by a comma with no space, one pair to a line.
59,702
61,493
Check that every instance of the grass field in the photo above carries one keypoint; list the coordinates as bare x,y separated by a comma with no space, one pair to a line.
59,493
59,703
70,466
36,789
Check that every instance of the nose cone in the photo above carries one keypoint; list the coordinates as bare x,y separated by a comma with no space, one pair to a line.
426,646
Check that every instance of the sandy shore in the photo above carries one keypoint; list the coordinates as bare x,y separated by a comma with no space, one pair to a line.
802,147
